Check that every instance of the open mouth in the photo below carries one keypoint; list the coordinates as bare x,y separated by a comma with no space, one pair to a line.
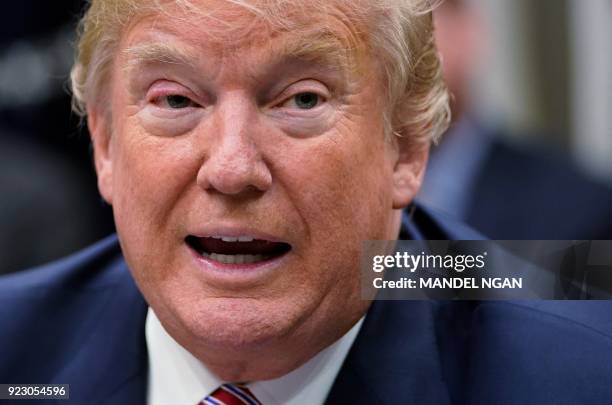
237,250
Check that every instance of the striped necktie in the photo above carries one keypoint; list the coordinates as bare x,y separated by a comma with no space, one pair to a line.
231,394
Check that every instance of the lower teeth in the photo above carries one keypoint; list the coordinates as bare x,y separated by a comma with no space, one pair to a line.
235,259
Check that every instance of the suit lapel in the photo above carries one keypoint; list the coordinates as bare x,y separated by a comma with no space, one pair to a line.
111,365
395,359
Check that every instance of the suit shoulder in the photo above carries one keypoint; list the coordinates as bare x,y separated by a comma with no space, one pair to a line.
541,352
59,319
94,267
590,317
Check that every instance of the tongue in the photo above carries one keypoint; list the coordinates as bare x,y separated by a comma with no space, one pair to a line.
256,247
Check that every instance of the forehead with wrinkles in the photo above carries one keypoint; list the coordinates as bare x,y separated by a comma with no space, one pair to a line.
228,32
246,22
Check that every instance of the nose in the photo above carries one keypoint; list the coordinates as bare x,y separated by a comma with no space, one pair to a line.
234,163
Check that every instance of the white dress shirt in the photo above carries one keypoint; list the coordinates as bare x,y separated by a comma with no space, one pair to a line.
177,377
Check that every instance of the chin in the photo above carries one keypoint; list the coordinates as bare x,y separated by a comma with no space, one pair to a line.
239,323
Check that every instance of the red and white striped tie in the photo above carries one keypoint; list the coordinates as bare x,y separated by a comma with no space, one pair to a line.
231,394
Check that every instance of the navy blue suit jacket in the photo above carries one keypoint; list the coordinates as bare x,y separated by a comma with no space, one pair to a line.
81,322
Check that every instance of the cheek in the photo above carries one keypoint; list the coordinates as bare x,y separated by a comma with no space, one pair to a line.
150,175
343,196
340,187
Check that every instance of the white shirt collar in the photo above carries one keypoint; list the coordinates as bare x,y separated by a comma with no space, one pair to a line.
177,377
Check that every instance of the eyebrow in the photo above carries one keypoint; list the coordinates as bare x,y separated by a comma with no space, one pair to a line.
158,52
318,47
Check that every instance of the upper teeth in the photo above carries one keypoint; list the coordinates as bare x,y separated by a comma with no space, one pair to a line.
234,239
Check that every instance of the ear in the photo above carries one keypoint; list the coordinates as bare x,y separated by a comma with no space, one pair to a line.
409,169
99,129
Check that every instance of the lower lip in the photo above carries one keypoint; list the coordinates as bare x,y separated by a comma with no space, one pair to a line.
237,272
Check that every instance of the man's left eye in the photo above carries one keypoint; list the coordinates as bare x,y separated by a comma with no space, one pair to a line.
306,101
176,101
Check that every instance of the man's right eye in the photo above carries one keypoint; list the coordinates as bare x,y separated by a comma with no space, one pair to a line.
176,101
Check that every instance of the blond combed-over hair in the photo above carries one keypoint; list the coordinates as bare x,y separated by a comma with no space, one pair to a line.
397,34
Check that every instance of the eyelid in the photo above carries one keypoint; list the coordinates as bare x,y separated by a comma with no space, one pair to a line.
304,86
164,88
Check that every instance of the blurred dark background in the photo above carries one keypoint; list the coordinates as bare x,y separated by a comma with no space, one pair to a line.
49,204
530,145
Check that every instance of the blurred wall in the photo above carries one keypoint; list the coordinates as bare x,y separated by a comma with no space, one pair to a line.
590,25
548,73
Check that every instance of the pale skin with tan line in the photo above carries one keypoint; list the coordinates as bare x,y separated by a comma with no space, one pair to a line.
213,139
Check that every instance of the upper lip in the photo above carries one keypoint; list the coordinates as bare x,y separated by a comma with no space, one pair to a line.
236,232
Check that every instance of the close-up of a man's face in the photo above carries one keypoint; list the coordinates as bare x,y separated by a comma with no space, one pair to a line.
245,173
305,202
